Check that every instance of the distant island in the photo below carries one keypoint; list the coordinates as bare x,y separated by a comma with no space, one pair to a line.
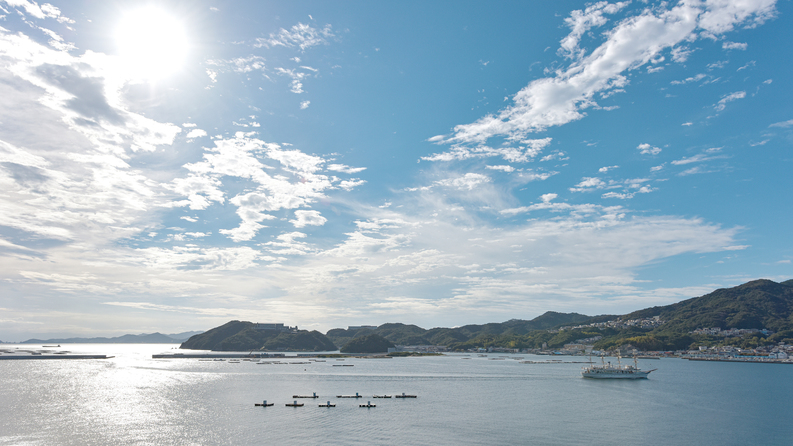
153,338
755,314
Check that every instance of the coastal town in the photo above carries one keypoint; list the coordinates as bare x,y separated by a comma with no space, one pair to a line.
780,353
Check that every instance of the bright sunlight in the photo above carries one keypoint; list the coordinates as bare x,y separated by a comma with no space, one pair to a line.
152,43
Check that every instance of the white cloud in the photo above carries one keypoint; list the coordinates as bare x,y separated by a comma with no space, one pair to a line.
503,168
304,105
751,63
687,80
607,168
558,155
280,179
700,157
782,124
297,80
580,22
647,149
287,244
525,152
196,133
306,218
345,169
469,181
547,198
351,184
633,42
192,257
301,35
588,184
722,104
681,53
734,46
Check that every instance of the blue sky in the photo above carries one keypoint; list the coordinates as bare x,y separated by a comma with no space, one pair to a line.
175,165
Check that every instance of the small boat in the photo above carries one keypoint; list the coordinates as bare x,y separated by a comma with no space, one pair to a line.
263,404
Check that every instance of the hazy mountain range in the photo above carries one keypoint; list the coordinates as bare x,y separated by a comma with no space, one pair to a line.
759,304
151,338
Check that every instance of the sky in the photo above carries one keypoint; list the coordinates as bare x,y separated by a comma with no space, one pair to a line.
171,166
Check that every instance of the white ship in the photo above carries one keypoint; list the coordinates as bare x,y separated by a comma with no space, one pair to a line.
619,371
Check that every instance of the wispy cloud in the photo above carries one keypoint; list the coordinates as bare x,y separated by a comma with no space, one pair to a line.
557,100
301,36
722,104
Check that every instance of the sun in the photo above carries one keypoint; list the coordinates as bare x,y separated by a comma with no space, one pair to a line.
151,42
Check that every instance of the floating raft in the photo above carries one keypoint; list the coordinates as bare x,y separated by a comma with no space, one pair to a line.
314,395
343,365
405,396
327,405
381,396
294,404
368,404
263,404
350,396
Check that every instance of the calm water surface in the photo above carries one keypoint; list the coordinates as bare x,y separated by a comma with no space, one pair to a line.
134,399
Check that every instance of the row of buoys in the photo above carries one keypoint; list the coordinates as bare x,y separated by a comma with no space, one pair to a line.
328,404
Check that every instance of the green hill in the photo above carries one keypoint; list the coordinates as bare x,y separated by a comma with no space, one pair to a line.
241,336
368,343
759,304
403,334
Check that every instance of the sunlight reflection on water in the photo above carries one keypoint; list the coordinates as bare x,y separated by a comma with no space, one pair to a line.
134,399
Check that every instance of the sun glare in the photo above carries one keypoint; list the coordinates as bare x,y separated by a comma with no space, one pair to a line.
151,42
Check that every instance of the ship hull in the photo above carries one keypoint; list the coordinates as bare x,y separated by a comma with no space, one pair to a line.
635,375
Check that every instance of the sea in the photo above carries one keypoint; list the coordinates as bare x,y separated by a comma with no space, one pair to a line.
133,399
